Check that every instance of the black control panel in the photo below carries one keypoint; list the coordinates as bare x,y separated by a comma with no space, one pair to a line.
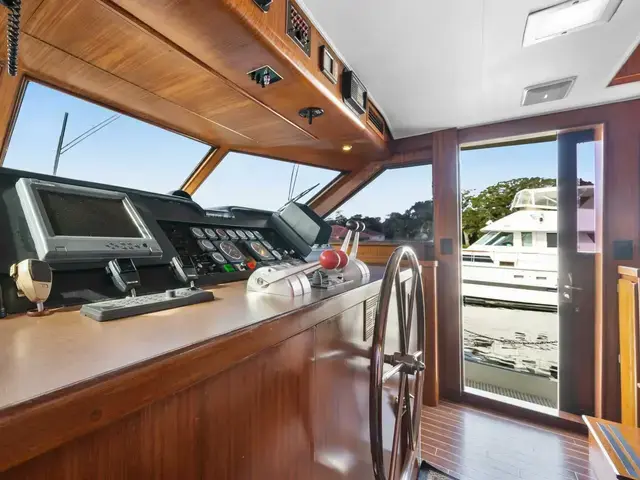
225,249
219,247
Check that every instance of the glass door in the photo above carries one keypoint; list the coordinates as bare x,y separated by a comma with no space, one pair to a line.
577,249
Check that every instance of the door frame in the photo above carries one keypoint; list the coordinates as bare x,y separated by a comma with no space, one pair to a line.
526,130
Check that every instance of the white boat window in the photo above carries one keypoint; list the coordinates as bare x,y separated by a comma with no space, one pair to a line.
486,238
503,239
527,239
552,240
120,150
396,206
274,182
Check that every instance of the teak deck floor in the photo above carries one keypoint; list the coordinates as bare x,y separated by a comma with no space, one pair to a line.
470,444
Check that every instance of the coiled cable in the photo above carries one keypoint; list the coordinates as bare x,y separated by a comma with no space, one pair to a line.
13,35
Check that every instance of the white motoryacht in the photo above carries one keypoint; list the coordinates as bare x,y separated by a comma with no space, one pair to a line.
515,262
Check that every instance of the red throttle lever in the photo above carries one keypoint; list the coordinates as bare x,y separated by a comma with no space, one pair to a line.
333,259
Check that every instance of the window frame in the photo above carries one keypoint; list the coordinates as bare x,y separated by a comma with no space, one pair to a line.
364,185
373,177
340,173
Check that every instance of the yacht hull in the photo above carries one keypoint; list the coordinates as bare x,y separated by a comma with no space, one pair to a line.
509,286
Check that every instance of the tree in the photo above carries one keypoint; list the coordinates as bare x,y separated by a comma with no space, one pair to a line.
372,223
493,203
337,219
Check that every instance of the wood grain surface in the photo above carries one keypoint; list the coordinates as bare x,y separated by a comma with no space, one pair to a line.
66,375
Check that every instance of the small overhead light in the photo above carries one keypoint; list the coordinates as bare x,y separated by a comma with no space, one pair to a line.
347,148
567,16
547,92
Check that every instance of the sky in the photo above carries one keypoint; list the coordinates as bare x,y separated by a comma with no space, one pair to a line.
134,154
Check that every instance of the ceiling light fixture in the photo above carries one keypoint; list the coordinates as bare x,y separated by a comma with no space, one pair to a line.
347,148
566,17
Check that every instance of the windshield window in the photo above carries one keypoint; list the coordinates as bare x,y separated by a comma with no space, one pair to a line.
487,237
120,150
503,239
259,182
396,206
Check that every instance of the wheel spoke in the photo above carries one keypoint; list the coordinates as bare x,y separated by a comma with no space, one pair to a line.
409,417
397,428
401,314
392,372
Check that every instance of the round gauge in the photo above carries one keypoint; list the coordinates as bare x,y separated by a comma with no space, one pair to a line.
206,245
267,244
232,235
258,235
218,258
249,234
241,234
277,254
260,250
221,233
210,233
197,232
230,251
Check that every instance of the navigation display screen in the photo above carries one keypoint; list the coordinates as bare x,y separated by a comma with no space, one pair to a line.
85,216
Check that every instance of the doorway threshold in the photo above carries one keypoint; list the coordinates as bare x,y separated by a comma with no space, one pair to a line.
505,397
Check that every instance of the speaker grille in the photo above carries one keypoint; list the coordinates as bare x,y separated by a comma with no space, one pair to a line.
547,92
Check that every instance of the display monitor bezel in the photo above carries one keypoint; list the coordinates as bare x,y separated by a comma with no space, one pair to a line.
64,248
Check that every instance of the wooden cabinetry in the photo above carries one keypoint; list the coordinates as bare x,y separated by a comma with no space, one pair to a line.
628,279
298,409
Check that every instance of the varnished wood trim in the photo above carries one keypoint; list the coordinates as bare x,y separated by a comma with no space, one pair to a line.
30,429
134,21
412,144
344,189
630,70
331,160
424,156
446,201
11,94
629,271
565,421
284,48
599,303
204,169
431,391
54,81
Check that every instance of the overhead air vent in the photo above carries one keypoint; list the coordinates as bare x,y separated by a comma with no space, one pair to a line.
565,17
375,120
547,92
298,28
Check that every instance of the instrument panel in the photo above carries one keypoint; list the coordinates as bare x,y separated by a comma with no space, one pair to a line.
214,250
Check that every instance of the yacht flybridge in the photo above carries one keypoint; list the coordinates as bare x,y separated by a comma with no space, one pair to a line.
515,262
148,332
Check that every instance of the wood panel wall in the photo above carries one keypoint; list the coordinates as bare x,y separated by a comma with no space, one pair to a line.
446,202
252,419
630,71
628,296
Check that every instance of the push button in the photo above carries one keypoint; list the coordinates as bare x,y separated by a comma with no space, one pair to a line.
228,268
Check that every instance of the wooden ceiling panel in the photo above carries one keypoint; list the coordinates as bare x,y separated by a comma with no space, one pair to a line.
96,34
54,66
234,38
630,71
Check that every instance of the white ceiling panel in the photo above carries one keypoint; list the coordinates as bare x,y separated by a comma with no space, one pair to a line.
435,64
